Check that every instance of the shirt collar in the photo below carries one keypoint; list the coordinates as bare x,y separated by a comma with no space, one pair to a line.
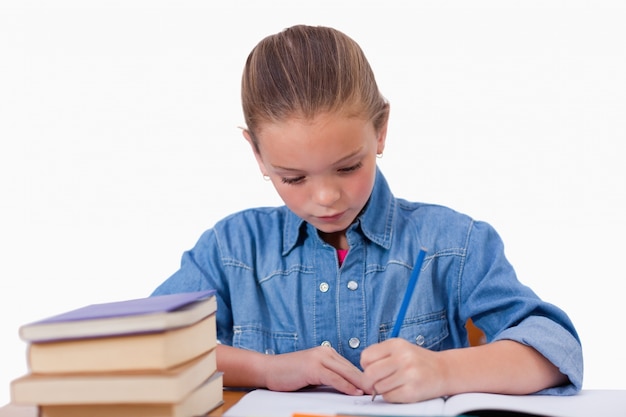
376,220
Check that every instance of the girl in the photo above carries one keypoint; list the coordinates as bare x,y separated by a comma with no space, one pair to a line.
308,292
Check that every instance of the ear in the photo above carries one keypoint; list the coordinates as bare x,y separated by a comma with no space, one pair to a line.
257,156
382,137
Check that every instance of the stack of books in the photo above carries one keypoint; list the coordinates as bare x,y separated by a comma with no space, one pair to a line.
151,356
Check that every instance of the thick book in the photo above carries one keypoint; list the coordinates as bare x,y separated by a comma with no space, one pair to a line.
168,386
326,403
200,402
143,351
141,315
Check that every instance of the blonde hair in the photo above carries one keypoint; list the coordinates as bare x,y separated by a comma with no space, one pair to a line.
306,70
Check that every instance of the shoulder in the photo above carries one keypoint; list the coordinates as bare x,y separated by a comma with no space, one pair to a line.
254,214
253,220
245,234
432,214
414,208
439,223
245,223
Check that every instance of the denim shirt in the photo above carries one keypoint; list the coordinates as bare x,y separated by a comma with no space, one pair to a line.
280,287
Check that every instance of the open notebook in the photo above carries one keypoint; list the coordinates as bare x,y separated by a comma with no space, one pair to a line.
260,402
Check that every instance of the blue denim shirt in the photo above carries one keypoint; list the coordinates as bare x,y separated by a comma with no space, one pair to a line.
280,287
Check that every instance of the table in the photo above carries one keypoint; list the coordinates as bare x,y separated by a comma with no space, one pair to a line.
230,398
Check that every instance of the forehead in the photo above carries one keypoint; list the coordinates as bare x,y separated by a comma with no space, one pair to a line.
326,137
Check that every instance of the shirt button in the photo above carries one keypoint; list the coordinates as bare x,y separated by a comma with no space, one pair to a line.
353,285
326,343
419,340
354,342
324,287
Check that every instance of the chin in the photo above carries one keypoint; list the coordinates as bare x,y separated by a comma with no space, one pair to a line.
330,228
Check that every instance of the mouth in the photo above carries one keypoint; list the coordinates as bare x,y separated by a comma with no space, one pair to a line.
331,218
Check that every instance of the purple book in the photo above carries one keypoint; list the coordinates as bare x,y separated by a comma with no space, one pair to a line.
141,315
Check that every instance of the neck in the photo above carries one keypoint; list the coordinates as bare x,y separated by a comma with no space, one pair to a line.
337,240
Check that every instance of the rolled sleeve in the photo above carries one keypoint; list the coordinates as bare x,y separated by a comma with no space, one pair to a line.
561,348
504,308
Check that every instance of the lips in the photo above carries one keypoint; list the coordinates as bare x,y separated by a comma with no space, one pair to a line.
331,218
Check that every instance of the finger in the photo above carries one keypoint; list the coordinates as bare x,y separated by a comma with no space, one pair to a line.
342,372
386,386
376,352
372,354
348,371
340,382
381,375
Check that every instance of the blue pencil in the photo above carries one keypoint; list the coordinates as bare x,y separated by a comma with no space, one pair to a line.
410,289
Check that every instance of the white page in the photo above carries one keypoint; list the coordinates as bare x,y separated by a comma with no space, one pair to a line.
265,403
588,403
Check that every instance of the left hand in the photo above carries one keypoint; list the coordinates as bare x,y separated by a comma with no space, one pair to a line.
402,372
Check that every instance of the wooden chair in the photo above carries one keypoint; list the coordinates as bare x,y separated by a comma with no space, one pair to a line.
474,334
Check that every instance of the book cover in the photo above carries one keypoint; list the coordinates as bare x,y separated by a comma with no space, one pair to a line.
144,351
169,386
202,400
142,315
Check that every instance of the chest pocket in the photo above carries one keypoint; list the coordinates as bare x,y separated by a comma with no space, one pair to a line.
259,339
427,330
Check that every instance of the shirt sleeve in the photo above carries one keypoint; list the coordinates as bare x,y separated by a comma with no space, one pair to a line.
561,348
193,272
201,269
504,308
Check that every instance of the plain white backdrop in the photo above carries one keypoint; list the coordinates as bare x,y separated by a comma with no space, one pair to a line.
119,142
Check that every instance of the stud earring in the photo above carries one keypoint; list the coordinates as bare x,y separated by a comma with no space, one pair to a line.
266,177
379,155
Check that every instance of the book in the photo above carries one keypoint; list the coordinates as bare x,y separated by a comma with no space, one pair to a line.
325,402
202,400
166,386
143,351
141,315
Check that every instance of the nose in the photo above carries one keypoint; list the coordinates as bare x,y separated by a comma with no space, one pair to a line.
326,193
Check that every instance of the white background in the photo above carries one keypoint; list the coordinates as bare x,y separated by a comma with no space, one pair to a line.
120,142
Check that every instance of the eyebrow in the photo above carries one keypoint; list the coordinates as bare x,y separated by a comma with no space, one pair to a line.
337,162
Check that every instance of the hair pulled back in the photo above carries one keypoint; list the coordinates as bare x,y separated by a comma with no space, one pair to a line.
306,70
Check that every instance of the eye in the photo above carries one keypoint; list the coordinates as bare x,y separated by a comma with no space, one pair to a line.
292,181
351,168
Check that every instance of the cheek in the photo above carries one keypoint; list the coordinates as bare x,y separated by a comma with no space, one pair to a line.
362,190
290,195
363,185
